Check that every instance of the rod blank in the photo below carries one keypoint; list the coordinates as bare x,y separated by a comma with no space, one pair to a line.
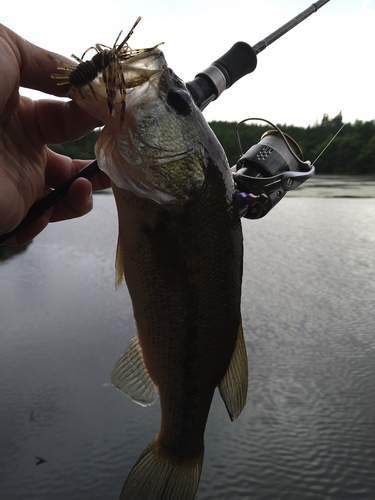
288,26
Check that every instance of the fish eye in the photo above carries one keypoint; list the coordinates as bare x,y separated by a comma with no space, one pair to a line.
180,100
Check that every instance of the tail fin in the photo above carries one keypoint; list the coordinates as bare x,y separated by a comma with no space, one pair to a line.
155,477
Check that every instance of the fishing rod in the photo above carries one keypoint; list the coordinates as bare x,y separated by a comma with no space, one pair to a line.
239,61
207,86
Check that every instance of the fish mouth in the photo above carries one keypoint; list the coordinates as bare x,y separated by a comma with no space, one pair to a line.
151,145
134,73
157,153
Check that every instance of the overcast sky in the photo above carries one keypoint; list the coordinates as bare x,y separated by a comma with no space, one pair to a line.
324,65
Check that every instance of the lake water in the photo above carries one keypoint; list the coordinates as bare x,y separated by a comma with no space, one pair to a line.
308,429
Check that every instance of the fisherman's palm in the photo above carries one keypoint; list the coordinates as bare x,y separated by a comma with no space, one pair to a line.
23,157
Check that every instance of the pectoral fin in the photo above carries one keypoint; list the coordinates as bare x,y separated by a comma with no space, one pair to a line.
130,376
233,386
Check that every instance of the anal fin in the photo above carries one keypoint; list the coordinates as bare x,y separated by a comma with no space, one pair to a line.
130,376
233,386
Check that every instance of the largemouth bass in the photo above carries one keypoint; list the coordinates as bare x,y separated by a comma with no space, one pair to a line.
180,250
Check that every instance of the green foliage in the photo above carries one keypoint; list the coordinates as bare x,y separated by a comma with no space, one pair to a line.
351,153
82,149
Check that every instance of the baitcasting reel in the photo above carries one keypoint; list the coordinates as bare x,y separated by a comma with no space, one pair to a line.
267,171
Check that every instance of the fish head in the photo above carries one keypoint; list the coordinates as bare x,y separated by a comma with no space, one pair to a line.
161,149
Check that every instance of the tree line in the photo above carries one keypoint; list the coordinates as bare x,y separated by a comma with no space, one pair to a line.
351,153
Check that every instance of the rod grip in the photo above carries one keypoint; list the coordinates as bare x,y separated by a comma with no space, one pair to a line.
222,73
237,62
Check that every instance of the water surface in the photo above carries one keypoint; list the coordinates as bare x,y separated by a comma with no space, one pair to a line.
307,431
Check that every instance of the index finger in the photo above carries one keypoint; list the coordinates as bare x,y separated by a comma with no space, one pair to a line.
36,64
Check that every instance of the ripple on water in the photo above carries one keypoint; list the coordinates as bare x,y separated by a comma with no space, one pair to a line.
307,431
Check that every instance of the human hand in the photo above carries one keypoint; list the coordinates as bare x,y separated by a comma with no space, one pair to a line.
28,169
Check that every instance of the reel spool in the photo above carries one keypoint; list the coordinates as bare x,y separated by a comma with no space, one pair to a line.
271,155
269,169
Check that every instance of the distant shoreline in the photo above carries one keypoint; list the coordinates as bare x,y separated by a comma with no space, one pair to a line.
337,186
327,186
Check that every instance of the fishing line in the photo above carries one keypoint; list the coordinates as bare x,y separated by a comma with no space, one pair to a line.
330,142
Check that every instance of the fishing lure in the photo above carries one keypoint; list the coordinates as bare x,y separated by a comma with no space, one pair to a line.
108,62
